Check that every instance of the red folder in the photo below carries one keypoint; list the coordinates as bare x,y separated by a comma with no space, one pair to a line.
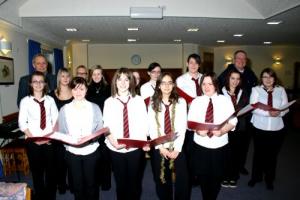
184,95
131,143
69,139
269,108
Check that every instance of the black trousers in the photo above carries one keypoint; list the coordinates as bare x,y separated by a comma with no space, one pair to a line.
165,191
208,167
41,162
61,165
127,173
235,158
83,171
267,145
104,169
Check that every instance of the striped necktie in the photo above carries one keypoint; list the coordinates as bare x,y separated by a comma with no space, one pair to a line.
209,117
125,119
270,98
168,129
43,114
198,90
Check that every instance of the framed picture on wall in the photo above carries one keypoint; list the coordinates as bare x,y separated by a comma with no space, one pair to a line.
6,71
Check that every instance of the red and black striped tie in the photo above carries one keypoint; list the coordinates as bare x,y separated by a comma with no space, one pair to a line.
209,117
43,114
125,119
168,129
198,90
270,98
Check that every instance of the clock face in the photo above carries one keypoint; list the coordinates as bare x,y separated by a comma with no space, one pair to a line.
135,59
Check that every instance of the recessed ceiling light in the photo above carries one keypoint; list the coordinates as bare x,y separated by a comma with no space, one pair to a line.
131,40
268,42
177,40
85,40
71,29
192,29
133,29
274,22
238,35
220,41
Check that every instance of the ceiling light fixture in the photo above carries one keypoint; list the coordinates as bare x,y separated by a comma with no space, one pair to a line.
267,42
133,29
177,40
146,12
71,29
220,41
274,22
85,40
238,35
131,40
192,30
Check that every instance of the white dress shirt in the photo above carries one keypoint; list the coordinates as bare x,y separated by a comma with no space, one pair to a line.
79,121
180,123
261,119
185,83
137,120
226,94
223,108
147,90
30,115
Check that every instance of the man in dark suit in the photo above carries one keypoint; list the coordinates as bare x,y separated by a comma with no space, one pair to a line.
249,80
40,64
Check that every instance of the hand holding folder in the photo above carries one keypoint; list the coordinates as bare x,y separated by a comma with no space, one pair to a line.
132,143
69,139
269,108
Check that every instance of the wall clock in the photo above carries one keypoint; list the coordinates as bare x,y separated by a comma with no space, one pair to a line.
136,59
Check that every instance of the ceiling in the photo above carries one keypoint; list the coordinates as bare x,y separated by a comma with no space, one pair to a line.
213,26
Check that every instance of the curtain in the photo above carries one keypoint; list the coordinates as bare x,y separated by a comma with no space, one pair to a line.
33,49
58,59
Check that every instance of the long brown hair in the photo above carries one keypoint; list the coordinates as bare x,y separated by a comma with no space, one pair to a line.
117,75
227,81
157,97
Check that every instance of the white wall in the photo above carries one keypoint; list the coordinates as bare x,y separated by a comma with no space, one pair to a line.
8,93
262,57
117,55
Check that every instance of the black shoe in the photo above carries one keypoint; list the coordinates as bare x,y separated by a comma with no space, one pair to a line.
232,184
225,184
251,183
244,171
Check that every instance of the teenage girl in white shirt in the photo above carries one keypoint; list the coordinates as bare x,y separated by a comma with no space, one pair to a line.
126,162
268,128
40,153
209,153
169,157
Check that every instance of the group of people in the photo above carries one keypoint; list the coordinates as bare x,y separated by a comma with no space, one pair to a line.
208,157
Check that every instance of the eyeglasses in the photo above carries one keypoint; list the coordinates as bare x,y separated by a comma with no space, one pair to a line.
170,83
38,82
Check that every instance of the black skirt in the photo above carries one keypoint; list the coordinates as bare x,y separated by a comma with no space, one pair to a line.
208,162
